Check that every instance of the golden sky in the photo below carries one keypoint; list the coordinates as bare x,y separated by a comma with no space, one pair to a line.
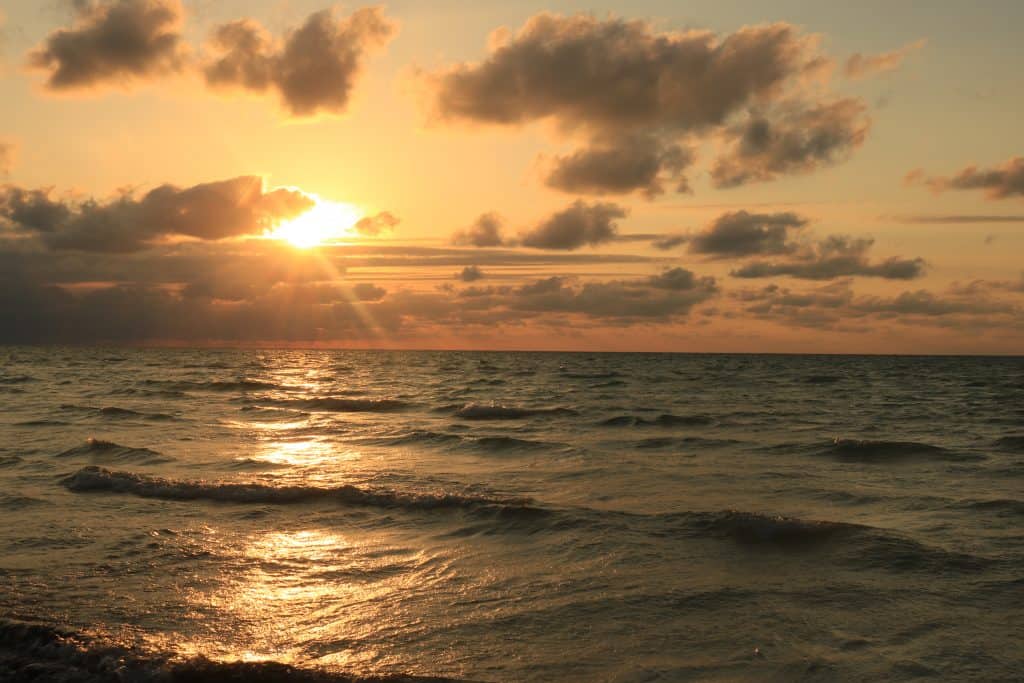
663,176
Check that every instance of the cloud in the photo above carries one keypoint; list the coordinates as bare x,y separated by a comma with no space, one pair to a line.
1000,182
834,257
366,291
797,139
313,69
860,66
578,225
739,233
634,94
8,155
666,242
622,165
208,211
486,231
113,42
936,219
470,274
372,226
836,306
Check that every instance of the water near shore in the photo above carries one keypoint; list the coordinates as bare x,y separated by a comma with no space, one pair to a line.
307,515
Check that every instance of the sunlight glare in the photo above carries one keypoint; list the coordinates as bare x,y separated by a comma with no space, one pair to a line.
325,222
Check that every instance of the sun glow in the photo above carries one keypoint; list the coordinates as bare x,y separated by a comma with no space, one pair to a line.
325,222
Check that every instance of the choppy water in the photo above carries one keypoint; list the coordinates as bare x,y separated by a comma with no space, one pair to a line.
511,516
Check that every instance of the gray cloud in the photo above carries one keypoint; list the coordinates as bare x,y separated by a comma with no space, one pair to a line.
486,231
366,291
615,82
835,306
208,211
739,233
113,41
372,226
795,139
1000,182
470,274
622,165
578,225
315,67
666,242
860,66
836,256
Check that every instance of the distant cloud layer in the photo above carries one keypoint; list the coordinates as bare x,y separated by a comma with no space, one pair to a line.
999,182
860,66
640,98
113,42
312,70
208,211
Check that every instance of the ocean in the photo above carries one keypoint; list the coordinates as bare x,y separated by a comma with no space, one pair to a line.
170,514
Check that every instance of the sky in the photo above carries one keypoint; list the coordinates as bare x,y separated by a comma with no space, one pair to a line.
731,176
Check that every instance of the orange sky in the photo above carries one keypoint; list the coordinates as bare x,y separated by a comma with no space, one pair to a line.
718,177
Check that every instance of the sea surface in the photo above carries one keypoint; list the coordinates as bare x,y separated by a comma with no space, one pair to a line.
305,515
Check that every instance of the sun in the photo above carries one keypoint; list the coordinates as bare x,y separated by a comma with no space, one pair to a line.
325,222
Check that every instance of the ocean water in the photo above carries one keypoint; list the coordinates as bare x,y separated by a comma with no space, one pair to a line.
170,514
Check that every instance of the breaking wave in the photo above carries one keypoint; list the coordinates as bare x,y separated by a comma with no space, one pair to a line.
496,411
93,478
37,652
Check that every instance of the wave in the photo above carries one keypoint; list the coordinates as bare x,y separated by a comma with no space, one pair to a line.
592,375
93,478
495,411
857,545
664,420
108,451
42,423
45,653
868,451
822,379
116,413
1014,442
752,527
999,505
334,404
213,385
17,379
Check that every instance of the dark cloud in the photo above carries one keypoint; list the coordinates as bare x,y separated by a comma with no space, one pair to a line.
578,225
113,41
740,233
860,66
1000,182
674,278
635,93
470,274
208,211
836,306
314,69
618,74
666,242
794,139
486,231
372,226
835,257
622,165
366,291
